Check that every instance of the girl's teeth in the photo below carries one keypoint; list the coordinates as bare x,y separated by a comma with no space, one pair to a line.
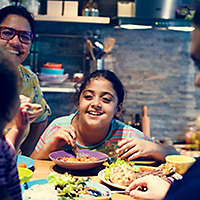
92,113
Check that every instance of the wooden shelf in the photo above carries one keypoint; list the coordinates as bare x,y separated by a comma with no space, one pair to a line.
78,19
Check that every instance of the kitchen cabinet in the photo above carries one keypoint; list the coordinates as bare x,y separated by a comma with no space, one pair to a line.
63,40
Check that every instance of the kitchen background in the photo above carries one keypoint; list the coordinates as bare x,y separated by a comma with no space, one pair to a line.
153,64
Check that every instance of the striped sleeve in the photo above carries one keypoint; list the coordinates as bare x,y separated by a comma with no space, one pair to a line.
121,130
52,129
9,179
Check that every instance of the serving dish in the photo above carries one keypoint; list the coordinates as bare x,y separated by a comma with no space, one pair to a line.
187,150
78,165
51,71
25,174
53,78
29,162
101,189
181,162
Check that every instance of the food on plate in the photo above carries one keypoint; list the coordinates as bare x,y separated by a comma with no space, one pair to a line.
123,173
110,150
62,186
38,192
78,159
167,168
23,165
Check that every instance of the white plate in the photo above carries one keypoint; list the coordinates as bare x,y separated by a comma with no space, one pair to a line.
105,191
101,176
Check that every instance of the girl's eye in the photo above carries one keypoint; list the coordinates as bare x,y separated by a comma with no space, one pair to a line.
88,97
106,100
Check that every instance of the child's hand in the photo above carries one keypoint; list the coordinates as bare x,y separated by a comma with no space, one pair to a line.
61,137
134,148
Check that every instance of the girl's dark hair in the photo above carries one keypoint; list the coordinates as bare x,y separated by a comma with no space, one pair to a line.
17,10
9,82
108,75
196,18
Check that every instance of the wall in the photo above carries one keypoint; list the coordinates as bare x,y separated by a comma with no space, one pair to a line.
154,66
157,71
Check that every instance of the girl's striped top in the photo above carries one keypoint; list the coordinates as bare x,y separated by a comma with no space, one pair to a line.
117,132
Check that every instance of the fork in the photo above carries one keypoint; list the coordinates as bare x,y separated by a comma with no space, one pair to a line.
77,151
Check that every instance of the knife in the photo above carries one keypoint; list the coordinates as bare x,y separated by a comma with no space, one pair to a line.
120,192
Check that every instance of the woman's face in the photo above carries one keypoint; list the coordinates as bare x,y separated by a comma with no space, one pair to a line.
18,49
98,103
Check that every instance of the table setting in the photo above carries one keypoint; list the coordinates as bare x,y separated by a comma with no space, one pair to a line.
103,177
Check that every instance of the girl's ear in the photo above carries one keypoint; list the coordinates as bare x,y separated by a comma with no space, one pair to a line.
119,110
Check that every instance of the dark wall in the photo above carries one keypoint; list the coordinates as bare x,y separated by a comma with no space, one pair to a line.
154,66
157,71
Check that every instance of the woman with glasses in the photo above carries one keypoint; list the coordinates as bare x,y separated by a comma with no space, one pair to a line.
16,34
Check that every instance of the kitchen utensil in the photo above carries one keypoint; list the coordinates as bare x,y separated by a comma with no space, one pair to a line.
120,192
109,44
145,122
164,9
78,152
52,71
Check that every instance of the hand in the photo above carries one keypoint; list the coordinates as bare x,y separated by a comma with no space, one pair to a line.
134,148
62,137
151,183
32,109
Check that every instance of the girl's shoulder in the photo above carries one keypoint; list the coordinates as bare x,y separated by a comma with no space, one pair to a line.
64,120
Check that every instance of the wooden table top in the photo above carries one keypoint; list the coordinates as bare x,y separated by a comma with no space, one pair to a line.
42,168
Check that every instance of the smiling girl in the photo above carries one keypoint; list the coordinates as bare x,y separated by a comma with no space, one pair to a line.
95,124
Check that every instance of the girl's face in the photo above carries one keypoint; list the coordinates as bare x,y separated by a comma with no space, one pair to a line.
98,103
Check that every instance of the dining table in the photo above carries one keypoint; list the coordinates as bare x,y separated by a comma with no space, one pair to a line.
42,168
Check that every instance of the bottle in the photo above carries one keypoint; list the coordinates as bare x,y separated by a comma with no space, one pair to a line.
137,124
197,138
145,122
95,10
87,8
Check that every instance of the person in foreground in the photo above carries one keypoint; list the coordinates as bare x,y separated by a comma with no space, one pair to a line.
16,34
188,186
95,125
9,106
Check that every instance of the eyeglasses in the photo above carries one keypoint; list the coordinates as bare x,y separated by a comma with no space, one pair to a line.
7,33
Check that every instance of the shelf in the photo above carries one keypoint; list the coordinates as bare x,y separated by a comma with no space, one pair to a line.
78,19
65,87
58,89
